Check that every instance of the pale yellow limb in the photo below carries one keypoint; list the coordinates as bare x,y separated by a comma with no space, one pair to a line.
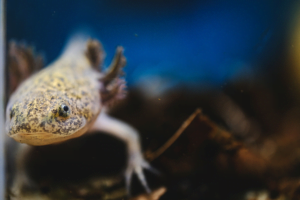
21,178
123,131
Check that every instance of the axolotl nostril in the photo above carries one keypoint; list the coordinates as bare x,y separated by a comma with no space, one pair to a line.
68,99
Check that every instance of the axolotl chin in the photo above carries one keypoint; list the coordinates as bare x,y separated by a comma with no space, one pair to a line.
69,98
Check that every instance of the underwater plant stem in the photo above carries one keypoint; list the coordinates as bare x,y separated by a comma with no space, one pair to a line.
185,124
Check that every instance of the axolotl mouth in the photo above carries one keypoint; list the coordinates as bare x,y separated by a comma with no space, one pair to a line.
39,138
44,138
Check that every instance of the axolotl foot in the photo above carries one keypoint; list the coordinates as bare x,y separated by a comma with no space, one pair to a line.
136,162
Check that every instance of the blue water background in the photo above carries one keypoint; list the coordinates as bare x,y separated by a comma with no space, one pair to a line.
193,42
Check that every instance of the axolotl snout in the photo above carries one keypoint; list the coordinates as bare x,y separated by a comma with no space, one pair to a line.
68,99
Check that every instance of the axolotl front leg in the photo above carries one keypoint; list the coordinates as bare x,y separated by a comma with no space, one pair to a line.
111,89
136,162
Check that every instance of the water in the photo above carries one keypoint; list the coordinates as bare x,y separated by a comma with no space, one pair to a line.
236,60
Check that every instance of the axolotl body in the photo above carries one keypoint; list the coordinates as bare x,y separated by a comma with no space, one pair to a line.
69,98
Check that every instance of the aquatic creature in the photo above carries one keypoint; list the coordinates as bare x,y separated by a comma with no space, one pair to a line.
70,98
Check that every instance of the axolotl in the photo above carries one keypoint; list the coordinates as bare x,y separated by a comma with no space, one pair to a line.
70,98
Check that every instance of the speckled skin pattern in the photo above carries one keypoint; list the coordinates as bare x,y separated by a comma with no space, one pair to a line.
33,112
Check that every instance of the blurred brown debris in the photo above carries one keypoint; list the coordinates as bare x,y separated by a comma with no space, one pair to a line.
154,195
22,63
220,154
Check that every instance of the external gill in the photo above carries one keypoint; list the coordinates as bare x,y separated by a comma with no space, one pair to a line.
113,86
23,61
95,53
115,68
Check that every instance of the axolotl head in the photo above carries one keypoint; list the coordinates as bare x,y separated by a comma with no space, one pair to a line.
63,100
48,117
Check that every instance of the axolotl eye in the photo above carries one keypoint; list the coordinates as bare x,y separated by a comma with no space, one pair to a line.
12,113
64,110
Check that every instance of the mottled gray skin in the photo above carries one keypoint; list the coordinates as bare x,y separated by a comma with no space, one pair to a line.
34,110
